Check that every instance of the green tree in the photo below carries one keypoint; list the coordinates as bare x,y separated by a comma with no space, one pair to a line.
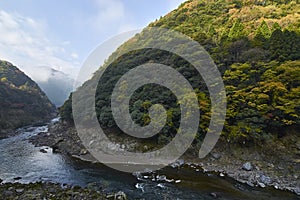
237,30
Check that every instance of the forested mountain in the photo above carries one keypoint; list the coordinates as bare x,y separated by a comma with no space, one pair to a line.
21,100
256,46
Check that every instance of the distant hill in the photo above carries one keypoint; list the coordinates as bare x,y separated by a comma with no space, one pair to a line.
57,85
256,46
22,102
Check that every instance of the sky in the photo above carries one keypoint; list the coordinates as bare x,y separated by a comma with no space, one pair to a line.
61,34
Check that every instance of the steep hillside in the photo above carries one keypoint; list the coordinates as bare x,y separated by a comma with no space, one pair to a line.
255,44
21,100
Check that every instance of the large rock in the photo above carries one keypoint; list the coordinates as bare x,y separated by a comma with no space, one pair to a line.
20,190
265,179
216,156
177,163
247,166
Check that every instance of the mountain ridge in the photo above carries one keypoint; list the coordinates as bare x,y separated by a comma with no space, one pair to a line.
22,101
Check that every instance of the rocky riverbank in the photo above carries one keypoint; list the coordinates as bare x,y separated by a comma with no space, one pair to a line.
18,191
276,164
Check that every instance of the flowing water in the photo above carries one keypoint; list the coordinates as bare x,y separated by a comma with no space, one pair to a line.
21,159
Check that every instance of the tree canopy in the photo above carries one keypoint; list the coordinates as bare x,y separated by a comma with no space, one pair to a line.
256,46
22,102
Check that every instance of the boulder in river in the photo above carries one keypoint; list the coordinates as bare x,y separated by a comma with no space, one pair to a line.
247,166
43,151
216,156
177,163
214,195
261,185
265,179
19,190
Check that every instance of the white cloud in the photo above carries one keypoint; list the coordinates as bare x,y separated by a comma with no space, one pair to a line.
39,74
112,10
111,17
24,42
74,55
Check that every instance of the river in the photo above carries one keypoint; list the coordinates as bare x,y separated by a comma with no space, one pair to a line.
20,159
